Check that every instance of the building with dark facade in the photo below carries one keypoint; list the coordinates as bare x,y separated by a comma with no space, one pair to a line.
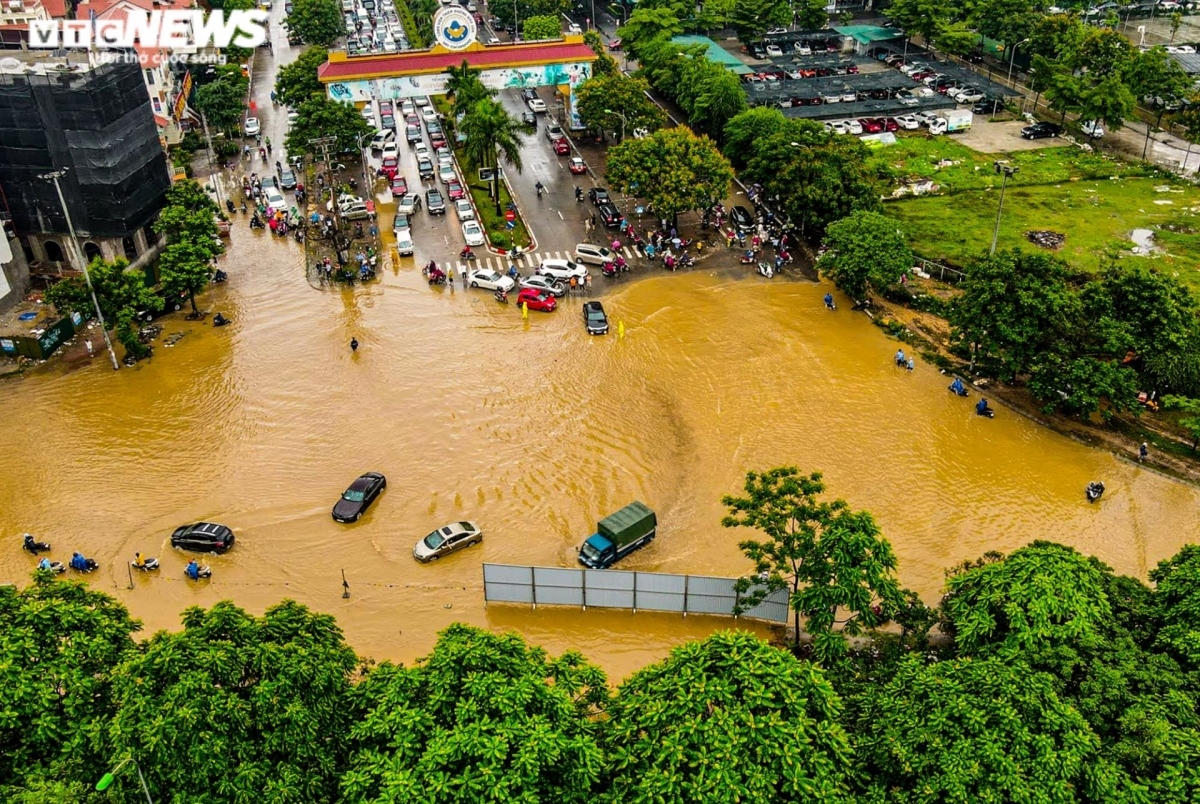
62,112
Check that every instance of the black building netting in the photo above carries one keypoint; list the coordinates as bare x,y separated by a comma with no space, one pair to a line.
97,124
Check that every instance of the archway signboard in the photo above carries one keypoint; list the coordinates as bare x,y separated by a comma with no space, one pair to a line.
563,64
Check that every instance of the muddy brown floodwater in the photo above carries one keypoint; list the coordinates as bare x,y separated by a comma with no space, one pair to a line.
534,430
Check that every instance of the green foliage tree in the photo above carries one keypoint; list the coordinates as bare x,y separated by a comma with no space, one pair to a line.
60,644
599,99
540,27
464,87
972,730
1015,306
811,15
726,719
484,718
318,22
1177,597
1080,385
297,82
829,557
185,268
919,17
491,134
673,169
1006,20
1159,80
223,101
752,18
957,38
712,99
646,25
866,251
320,117
239,708
819,176
604,63
1043,594
1191,422
510,11
121,293
745,129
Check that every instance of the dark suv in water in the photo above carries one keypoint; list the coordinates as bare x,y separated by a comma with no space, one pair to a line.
203,537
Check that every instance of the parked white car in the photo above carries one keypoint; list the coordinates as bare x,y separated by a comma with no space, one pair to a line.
404,242
252,127
1092,128
853,126
838,127
908,122
536,105
774,50
490,280
444,540
545,284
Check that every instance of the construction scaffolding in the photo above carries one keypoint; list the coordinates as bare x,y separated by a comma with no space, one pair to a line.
92,121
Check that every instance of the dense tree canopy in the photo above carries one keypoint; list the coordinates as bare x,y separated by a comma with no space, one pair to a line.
239,707
618,103
320,117
297,82
865,250
319,22
727,719
673,169
484,718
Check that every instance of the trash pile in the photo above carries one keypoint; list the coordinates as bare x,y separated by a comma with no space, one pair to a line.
1046,239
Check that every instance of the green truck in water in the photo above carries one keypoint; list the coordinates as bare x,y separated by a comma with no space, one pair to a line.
618,535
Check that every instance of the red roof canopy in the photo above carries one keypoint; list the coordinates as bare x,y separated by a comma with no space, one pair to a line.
428,62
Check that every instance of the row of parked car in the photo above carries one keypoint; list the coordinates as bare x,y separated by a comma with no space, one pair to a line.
958,89
776,45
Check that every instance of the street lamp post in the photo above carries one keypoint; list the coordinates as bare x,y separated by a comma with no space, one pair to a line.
362,154
1005,170
107,779
618,114
54,176
1012,57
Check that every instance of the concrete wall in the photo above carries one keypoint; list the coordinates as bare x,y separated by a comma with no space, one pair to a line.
14,273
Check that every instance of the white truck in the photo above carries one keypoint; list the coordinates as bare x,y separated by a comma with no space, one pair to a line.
949,121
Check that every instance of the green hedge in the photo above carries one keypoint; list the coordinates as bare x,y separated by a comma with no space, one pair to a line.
415,39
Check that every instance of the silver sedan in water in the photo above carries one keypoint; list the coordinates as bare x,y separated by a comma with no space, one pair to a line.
447,539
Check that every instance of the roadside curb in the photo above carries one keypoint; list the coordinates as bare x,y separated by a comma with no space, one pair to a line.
500,252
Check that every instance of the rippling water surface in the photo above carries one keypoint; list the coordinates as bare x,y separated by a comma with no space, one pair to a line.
534,430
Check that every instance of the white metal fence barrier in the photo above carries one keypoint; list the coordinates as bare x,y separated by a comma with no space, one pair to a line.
621,589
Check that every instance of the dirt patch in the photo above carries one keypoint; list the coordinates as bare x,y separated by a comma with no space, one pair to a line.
1001,137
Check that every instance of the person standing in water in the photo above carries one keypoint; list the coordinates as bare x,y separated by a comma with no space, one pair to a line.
353,344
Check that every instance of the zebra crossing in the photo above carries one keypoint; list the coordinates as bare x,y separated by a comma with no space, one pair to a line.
527,262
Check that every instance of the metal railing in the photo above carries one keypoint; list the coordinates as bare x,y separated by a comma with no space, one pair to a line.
622,589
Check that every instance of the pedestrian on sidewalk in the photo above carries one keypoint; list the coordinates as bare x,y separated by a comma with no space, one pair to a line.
1143,450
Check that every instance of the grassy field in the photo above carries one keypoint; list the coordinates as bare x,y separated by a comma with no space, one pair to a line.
1095,201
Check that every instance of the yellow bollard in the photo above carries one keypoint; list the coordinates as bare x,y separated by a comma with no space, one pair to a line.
620,330
525,310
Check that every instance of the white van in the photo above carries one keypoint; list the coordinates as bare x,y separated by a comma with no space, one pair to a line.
404,242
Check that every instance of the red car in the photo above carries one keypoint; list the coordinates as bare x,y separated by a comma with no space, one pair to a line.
454,191
871,125
890,124
391,165
437,140
576,165
562,147
536,300
399,185
615,44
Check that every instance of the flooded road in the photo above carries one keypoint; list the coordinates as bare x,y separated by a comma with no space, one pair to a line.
534,430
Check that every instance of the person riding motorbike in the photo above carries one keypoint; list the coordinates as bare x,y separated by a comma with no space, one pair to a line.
220,320
139,561
193,570
829,301
81,564
466,254
538,186
982,408
502,295
579,194
957,387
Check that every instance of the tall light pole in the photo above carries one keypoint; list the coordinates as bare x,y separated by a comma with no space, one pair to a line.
1005,170
107,779
1012,57
362,153
54,176
618,114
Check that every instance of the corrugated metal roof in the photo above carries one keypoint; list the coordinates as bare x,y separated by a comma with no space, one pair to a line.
715,53
1190,62
341,69
866,34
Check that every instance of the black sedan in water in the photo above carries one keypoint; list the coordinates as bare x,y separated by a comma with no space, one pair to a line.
358,498
203,537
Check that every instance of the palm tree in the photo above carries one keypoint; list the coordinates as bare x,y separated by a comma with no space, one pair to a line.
464,87
491,132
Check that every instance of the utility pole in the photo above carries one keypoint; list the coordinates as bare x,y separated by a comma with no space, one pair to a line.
211,174
54,176
1005,170
323,144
